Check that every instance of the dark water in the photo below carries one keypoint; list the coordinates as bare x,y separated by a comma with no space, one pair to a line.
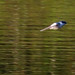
24,50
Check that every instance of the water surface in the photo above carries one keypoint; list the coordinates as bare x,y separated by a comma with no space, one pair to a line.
24,50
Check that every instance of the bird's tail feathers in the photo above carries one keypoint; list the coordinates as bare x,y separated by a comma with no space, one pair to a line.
45,28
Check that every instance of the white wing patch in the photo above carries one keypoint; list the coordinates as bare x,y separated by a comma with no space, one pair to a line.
54,24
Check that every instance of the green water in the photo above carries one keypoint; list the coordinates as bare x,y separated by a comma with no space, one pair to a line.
24,50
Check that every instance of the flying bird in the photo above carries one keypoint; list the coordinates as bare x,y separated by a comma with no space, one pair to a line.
55,26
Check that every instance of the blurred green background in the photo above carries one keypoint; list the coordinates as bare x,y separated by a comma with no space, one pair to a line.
24,50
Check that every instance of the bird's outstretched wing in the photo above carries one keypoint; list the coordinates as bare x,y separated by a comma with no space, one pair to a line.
52,26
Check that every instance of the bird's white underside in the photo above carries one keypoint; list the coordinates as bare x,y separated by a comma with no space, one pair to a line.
54,28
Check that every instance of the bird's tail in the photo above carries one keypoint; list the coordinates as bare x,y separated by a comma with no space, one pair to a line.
45,28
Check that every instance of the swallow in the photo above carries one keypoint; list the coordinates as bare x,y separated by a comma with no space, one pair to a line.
55,26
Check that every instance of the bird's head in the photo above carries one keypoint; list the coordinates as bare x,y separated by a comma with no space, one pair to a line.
64,22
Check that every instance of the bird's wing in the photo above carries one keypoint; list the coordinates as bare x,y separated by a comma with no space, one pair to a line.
54,24
49,27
